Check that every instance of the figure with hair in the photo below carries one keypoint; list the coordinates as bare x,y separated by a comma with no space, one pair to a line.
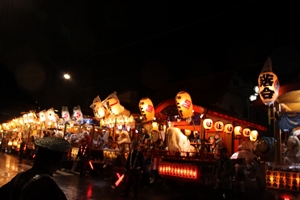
177,141
293,150
37,182
134,167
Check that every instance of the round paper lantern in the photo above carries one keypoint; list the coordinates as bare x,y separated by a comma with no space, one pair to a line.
246,132
100,112
253,135
184,104
154,126
147,109
114,106
228,128
207,123
238,131
219,126
268,87
187,132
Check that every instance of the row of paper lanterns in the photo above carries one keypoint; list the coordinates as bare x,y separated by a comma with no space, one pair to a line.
183,103
228,128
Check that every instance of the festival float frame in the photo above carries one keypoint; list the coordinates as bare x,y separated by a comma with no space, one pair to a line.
113,118
193,166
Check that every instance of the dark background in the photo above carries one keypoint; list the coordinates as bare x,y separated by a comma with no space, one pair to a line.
109,46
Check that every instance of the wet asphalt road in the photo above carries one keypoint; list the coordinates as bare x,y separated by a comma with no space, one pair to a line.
95,186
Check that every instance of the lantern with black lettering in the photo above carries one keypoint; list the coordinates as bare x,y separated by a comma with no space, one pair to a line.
184,104
207,123
246,132
253,135
147,109
228,128
238,132
219,126
268,87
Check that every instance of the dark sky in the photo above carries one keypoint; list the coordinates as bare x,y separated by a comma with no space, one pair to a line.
111,45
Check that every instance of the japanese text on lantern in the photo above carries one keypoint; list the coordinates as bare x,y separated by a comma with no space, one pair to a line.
149,108
187,104
266,81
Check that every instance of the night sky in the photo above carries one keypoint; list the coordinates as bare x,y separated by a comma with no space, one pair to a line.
109,46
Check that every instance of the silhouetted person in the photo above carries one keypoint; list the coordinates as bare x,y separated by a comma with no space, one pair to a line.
83,155
22,149
37,182
223,172
134,166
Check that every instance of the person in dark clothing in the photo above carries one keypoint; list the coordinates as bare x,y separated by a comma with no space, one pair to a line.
119,167
37,182
134,166
83,155
146,171
223,172
22,149
144,136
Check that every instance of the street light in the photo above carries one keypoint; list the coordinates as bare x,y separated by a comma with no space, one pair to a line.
253,97
67,76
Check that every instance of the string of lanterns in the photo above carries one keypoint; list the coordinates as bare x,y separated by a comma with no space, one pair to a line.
228,128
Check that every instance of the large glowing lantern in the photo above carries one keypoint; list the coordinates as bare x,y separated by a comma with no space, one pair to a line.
147,109
98,108
238,131
154,126
113,106
228,128
184,104
65,113
268,87
253,135
207,123
219,126
187,132
246,132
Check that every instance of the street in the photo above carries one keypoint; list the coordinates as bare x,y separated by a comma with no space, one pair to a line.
96,187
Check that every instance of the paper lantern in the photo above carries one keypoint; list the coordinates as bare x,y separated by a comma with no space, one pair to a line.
246,132
147,109
154,126
65,113
98,108
228,128
219,126
238,131
187,132
253,135
184,104
50,115
114,106
207,123
268,87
